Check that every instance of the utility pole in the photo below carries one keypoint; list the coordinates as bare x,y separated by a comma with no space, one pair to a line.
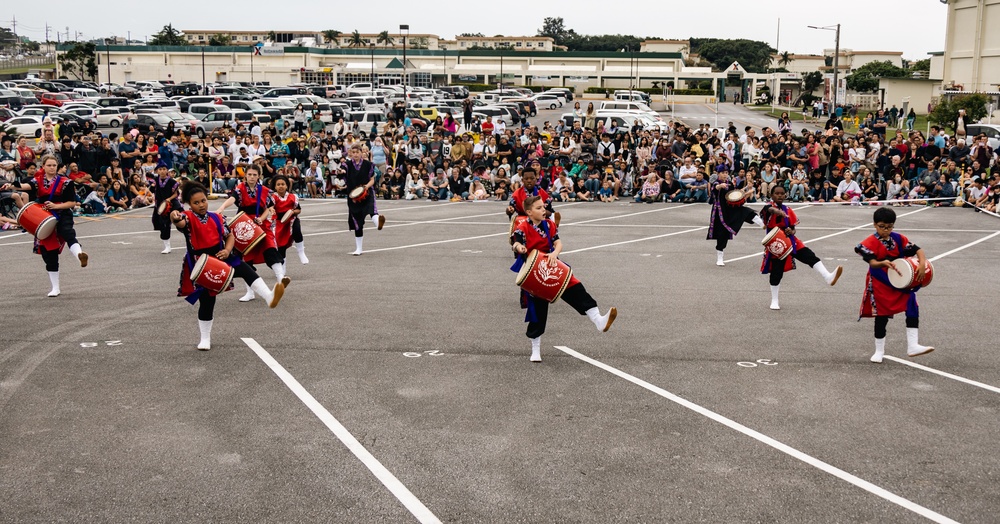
46,32
13,24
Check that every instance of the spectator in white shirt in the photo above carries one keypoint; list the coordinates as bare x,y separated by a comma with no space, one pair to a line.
848,190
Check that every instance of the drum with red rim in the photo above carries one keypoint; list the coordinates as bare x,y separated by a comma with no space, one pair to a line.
287,216
37,220
247,232
778,244
906,278
358,194
736,197
212,274
164,207
542,280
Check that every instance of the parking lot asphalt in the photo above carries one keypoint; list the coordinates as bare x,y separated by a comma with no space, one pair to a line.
699,405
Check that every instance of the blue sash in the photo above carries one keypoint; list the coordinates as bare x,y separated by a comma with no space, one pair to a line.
526,302
233,260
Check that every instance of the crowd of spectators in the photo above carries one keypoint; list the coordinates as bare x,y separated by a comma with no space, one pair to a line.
581,161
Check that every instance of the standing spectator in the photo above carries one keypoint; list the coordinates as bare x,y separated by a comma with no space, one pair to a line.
299,118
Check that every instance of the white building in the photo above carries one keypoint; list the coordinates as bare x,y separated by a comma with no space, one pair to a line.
972,46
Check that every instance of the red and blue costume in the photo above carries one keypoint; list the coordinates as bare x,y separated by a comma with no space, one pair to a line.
255,202
542,237
880,298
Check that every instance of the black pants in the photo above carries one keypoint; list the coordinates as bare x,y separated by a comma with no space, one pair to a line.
161,223
64,226
881,322
804,255
51,259
721,243
576,296
206,302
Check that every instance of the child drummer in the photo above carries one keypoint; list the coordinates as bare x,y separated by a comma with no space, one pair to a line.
287,232
167,191
540,233
56,194
361,173
254,199
776,214
207,234
516,206
727,217
881,299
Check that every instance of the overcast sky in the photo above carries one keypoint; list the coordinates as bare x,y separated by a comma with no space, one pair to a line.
914,27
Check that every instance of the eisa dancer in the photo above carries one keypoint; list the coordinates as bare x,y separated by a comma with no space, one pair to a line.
55,193
254,199
539,233
165,195
287,232
882,251
777,215
516,206
727,216
360,178
207,234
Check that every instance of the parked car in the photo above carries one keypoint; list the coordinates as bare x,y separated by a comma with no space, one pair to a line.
213,121
336,91
108,117
54,99
25,125
282,91
158,121
991,131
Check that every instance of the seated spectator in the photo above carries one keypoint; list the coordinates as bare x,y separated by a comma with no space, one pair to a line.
797,184
582,193
698,190
315,182
139,194
670,189
415,186
848,190
93,204
607,191
562,189
650,190
438,186
477,191
827,193
116,199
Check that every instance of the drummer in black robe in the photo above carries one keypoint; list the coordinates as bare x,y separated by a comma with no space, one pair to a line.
728,216
361,173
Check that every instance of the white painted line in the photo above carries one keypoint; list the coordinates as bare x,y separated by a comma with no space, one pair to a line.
407,224
503,233
987,387
384,476
960,248
415,207
855,228
85,236
702,228
764,439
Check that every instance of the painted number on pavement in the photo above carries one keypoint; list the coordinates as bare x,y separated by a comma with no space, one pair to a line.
414,354
95,344
760,361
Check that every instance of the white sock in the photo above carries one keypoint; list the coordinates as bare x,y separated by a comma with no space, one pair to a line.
913,348
76,250
758,221
600,321
718,258
357,242
774,297
825,273
301,248
54,279
879,350
536,349
279,270
270,296
248,296
205,326
166,246
375,221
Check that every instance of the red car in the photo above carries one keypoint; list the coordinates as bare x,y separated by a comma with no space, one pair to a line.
54,99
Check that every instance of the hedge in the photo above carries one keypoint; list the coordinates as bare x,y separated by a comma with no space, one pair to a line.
478,88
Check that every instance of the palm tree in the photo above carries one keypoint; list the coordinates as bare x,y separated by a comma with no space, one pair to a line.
784,59
332,36
384,37
356,40
272,36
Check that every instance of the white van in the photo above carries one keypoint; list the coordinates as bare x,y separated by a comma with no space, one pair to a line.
625,105
625,120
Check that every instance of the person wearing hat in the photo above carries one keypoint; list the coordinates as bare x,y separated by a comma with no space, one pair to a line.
438,185
165,199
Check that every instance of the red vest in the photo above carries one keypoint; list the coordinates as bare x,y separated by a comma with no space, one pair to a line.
205,236
517,199
283,231
248,204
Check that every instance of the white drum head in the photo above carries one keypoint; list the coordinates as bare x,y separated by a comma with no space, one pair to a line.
356,192
904,278
199,266
46,228
769,237
287,216
529,262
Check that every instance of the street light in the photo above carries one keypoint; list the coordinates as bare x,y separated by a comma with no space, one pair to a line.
372,47
836,62
107,52
404,27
